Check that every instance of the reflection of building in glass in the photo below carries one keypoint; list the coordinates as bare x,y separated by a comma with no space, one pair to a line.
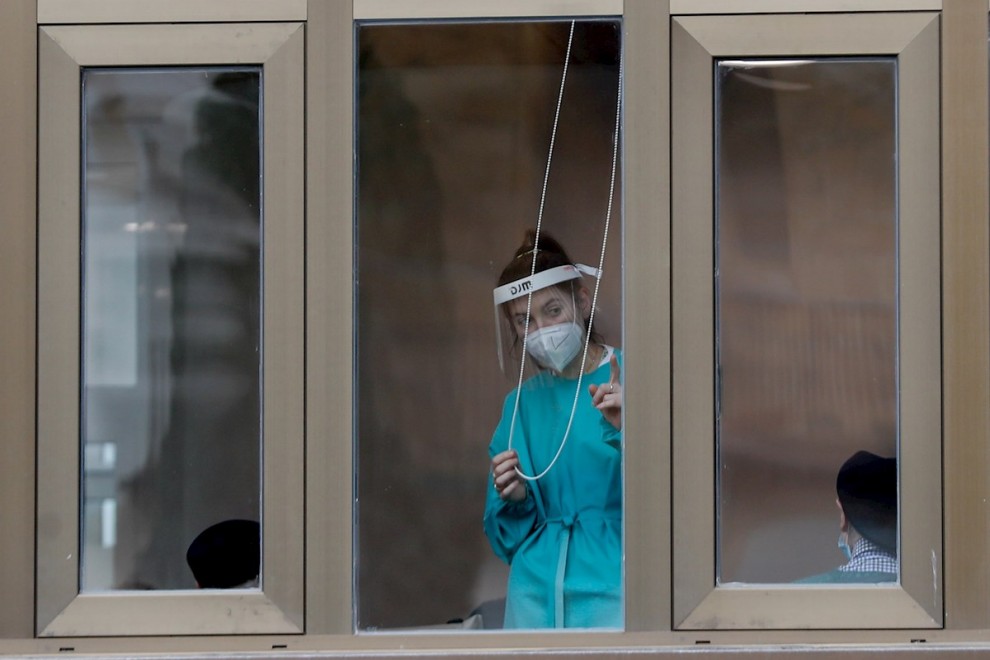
172,317
806,302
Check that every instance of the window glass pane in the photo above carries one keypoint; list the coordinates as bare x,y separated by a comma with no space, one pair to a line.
806,318
171,421
455,124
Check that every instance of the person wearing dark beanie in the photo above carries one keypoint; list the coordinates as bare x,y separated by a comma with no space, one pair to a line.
866,489
226,555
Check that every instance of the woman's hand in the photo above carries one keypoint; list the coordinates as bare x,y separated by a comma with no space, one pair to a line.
607,397
508,485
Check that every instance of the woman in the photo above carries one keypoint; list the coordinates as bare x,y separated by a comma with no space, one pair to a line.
562,533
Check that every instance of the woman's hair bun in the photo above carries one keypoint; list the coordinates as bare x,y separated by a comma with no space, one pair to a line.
547,244
548,255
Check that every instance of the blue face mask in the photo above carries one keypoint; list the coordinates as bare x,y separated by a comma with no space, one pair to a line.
844,545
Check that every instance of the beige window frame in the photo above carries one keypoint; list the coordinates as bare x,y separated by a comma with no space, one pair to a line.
700,603
278,607
76,12
330,250
399,10
965,361
711,7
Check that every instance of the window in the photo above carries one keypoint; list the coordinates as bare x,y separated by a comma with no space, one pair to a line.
453,129
777,458
684,317
188,331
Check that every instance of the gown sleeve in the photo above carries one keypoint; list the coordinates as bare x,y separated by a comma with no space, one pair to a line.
611,435
507,524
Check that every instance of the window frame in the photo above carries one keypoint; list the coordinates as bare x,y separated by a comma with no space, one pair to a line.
331,247
18,265
783,7
697,44
965,353
60,608
75,12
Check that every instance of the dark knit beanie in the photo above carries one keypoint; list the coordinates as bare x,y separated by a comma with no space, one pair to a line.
226,554
867,490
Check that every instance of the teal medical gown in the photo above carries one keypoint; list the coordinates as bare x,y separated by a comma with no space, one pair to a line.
563,543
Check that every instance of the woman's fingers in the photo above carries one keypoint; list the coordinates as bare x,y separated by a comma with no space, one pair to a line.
501,457
614,375
503,464
607,397
507,492
613,400
504,475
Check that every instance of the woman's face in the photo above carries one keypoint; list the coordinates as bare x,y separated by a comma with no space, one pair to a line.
551,306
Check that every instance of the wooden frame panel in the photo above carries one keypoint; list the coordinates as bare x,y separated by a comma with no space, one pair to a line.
54,12
330,318
423,9
966,314
965,369
646,305
17,323
61,610
696,42
702,7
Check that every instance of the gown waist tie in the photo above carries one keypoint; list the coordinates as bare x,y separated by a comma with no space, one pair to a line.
566,523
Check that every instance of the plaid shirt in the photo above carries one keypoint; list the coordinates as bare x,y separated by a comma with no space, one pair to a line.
868,557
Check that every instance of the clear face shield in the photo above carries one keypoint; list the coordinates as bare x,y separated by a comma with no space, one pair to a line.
556,329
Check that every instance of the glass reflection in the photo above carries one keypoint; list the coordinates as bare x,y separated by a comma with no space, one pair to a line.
806,307
171,320
453,130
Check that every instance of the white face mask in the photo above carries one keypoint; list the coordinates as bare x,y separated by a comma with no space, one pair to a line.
556,345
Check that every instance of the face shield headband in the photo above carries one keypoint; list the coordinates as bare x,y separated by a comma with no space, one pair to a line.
531,284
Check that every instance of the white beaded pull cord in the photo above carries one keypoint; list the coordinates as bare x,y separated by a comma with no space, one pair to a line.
601,263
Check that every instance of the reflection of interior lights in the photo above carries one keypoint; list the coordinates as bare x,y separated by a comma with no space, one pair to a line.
769,83
178,228
148,225
109,454
763,64
100,456
108,520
